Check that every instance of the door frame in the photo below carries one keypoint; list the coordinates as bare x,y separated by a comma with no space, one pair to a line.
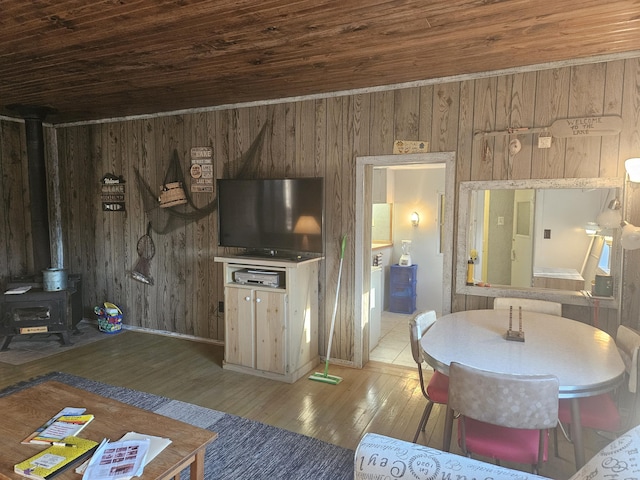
362,286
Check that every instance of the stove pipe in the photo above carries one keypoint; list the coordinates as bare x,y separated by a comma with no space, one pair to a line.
38,192
37,171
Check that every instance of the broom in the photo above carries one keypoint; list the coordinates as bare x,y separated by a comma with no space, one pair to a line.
325,377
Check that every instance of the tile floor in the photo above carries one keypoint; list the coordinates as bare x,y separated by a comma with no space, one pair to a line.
393,346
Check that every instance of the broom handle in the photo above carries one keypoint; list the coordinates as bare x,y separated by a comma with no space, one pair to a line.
335,305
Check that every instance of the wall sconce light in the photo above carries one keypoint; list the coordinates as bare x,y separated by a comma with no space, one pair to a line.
592,228
415,219
611,216
632,166
630,238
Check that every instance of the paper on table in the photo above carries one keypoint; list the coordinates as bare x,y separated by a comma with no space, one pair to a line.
156,445
119,460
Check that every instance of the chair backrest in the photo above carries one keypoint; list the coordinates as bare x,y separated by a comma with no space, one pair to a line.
508,400
529,304
628,343
419,324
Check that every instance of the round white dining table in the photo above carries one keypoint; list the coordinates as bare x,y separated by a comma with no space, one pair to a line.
585,359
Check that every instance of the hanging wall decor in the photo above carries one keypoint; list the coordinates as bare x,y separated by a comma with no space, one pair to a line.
201,170
172,192
112,193
409,146
146,251
165,220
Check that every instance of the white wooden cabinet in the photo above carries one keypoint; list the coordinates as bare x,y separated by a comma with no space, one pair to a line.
271,331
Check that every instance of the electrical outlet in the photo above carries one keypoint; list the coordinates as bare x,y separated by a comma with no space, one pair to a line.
547,233
221,307
500,220
544,141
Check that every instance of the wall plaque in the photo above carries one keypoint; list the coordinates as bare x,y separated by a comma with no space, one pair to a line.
112,190
201,170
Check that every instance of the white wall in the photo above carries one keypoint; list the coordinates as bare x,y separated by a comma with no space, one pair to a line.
418,189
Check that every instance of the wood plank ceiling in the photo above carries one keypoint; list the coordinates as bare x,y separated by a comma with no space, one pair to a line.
92,60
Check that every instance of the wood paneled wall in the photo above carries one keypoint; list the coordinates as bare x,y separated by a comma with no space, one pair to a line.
307,138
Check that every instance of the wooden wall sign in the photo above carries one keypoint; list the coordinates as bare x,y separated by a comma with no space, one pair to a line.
201,170
112,193
568,127
410,146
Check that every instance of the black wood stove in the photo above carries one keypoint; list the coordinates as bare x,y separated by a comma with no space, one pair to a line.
43,308
41,311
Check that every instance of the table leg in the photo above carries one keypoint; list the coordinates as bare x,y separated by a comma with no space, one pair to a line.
448,428
576,433
197,467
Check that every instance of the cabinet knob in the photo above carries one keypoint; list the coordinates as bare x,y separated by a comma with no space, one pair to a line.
247,298
258,300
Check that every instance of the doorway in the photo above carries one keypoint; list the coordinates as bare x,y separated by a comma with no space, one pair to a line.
412,195
363,256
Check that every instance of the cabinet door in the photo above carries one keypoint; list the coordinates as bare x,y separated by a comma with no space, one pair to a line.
271,329
239,337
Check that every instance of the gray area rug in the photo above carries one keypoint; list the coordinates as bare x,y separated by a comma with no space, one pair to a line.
244,449
27,348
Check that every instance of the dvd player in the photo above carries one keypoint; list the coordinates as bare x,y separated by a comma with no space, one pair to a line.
250,276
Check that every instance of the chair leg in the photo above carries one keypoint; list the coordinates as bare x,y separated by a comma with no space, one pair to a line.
566,433
543,439
423,421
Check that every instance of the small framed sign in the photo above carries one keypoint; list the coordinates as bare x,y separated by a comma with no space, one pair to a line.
201,170
410,146
112,190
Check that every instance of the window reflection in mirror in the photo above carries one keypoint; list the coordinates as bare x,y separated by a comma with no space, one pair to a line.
535,237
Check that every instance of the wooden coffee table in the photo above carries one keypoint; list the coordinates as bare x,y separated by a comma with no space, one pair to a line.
22,412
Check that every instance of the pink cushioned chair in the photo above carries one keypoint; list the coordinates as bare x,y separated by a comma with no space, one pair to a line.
437,390
503,416
601,412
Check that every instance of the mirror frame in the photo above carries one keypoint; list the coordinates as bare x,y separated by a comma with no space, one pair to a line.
563,296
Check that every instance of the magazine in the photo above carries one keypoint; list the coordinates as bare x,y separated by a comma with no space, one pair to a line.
56,458
64,411
62,427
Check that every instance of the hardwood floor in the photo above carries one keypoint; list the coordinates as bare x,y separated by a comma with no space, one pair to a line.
380,398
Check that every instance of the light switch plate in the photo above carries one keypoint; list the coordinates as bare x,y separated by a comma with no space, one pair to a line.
544,142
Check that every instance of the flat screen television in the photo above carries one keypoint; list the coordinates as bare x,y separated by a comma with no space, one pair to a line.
272,216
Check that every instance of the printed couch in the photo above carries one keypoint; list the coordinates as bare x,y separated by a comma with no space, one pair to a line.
381,457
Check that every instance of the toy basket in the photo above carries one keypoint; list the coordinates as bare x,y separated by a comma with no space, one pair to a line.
109,318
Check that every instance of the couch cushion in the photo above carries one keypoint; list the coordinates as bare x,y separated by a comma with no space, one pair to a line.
378,456
617,461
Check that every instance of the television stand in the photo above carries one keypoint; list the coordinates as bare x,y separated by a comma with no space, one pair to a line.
271,331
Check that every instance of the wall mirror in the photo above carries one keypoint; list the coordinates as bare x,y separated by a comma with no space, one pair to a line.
538,238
